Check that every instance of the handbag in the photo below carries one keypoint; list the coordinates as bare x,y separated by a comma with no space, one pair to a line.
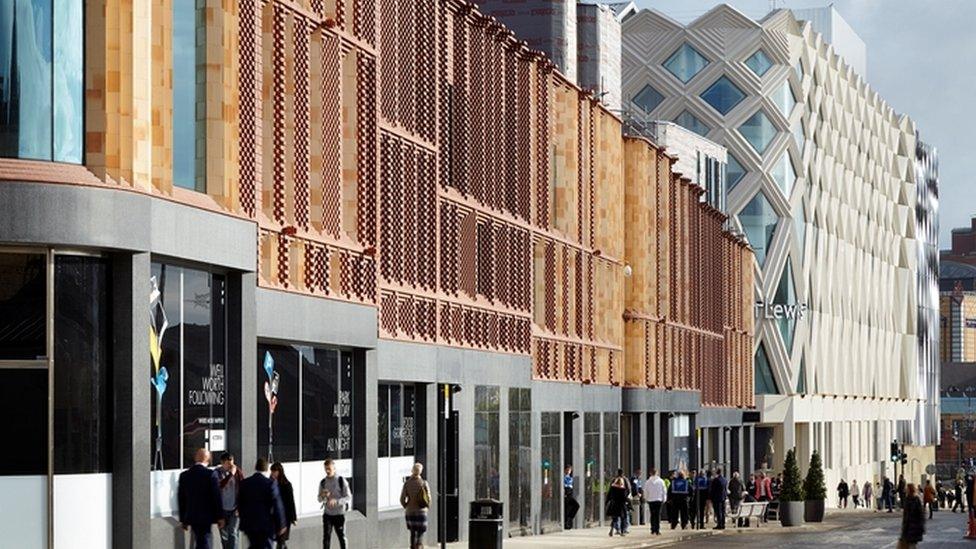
424,496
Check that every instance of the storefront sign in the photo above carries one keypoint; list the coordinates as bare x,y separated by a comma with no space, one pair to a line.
775,311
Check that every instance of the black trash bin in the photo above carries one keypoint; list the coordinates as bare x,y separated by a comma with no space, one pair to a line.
485,527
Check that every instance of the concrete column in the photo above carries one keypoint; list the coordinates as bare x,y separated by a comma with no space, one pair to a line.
641,425
132,424
504,446
242,358
368,444
431,456
750,450
656,457
727,450
535,470
579,470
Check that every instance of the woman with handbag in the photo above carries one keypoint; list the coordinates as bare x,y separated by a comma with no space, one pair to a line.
415,499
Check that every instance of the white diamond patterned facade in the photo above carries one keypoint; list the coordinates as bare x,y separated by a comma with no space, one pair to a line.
827,200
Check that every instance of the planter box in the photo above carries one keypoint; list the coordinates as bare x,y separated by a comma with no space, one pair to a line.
791,513
813,510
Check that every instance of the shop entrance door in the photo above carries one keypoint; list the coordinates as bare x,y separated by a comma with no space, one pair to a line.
447,444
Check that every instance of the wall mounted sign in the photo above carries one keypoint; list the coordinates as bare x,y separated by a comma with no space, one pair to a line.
775,311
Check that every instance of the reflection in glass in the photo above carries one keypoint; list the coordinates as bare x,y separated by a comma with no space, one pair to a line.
611,446
734,172
786,295
82,365
69,84
723,95
486,443
41,79
552,488
758,220
685,63
785,99
320,389
765,381
690,121
784,174
278,437
758,131
519,460
648,99
592,483
23,306
189,95
759,63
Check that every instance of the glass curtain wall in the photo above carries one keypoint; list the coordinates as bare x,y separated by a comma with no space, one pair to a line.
611,448
552,488
519,461
42,79
189,94
486,444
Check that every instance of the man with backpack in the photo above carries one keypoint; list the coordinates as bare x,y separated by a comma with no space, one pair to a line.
334,495
701,499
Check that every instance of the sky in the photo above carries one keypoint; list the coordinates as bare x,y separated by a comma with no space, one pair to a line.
921,60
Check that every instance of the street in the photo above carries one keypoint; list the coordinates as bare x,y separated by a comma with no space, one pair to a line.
849,529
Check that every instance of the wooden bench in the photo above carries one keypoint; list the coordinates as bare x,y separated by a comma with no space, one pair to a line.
753,510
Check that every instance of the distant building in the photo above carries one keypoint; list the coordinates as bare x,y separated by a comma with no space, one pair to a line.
581,38
838,33
699,159
957,327
958,419
963,248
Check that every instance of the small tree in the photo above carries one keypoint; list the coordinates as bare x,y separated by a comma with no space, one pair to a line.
814,486
792,489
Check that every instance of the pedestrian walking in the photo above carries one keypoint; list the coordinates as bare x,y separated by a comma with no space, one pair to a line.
928,496
718,492
259,505
763,490
229,477
842,492
856,493
959,502
656,493
334,495
940,494
415,500
912,519
198,500
616,506
868,492
570,505
287,492
887,492
735,494
701,499
679,501
637,496
901,489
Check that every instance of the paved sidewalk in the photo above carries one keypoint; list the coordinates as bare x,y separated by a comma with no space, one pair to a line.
640,536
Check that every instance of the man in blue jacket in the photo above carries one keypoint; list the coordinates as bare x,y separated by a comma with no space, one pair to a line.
198,497
259,506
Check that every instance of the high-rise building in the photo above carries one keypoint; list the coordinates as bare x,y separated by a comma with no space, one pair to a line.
822,179
837,32
374,232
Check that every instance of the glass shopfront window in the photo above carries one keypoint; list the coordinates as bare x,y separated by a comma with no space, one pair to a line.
552,486
679,441
592,485
519,461
188,373
42,79
306,408
397,440
486,443
69,374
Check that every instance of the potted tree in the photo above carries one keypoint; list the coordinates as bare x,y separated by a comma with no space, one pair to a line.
791,494
815,490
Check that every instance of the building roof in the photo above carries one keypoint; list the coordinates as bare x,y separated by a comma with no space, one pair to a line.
958,378
956,270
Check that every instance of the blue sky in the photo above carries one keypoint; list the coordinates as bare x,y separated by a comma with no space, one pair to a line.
921,59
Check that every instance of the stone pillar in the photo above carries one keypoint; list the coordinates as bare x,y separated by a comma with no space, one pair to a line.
132,424
242,364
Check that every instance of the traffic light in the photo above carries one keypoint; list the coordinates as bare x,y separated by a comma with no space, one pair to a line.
904,458
895,453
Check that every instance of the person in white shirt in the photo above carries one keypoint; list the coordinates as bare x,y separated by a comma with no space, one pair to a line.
655,493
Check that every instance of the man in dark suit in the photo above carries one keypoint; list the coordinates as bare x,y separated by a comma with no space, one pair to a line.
718,491
259,506
199,500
